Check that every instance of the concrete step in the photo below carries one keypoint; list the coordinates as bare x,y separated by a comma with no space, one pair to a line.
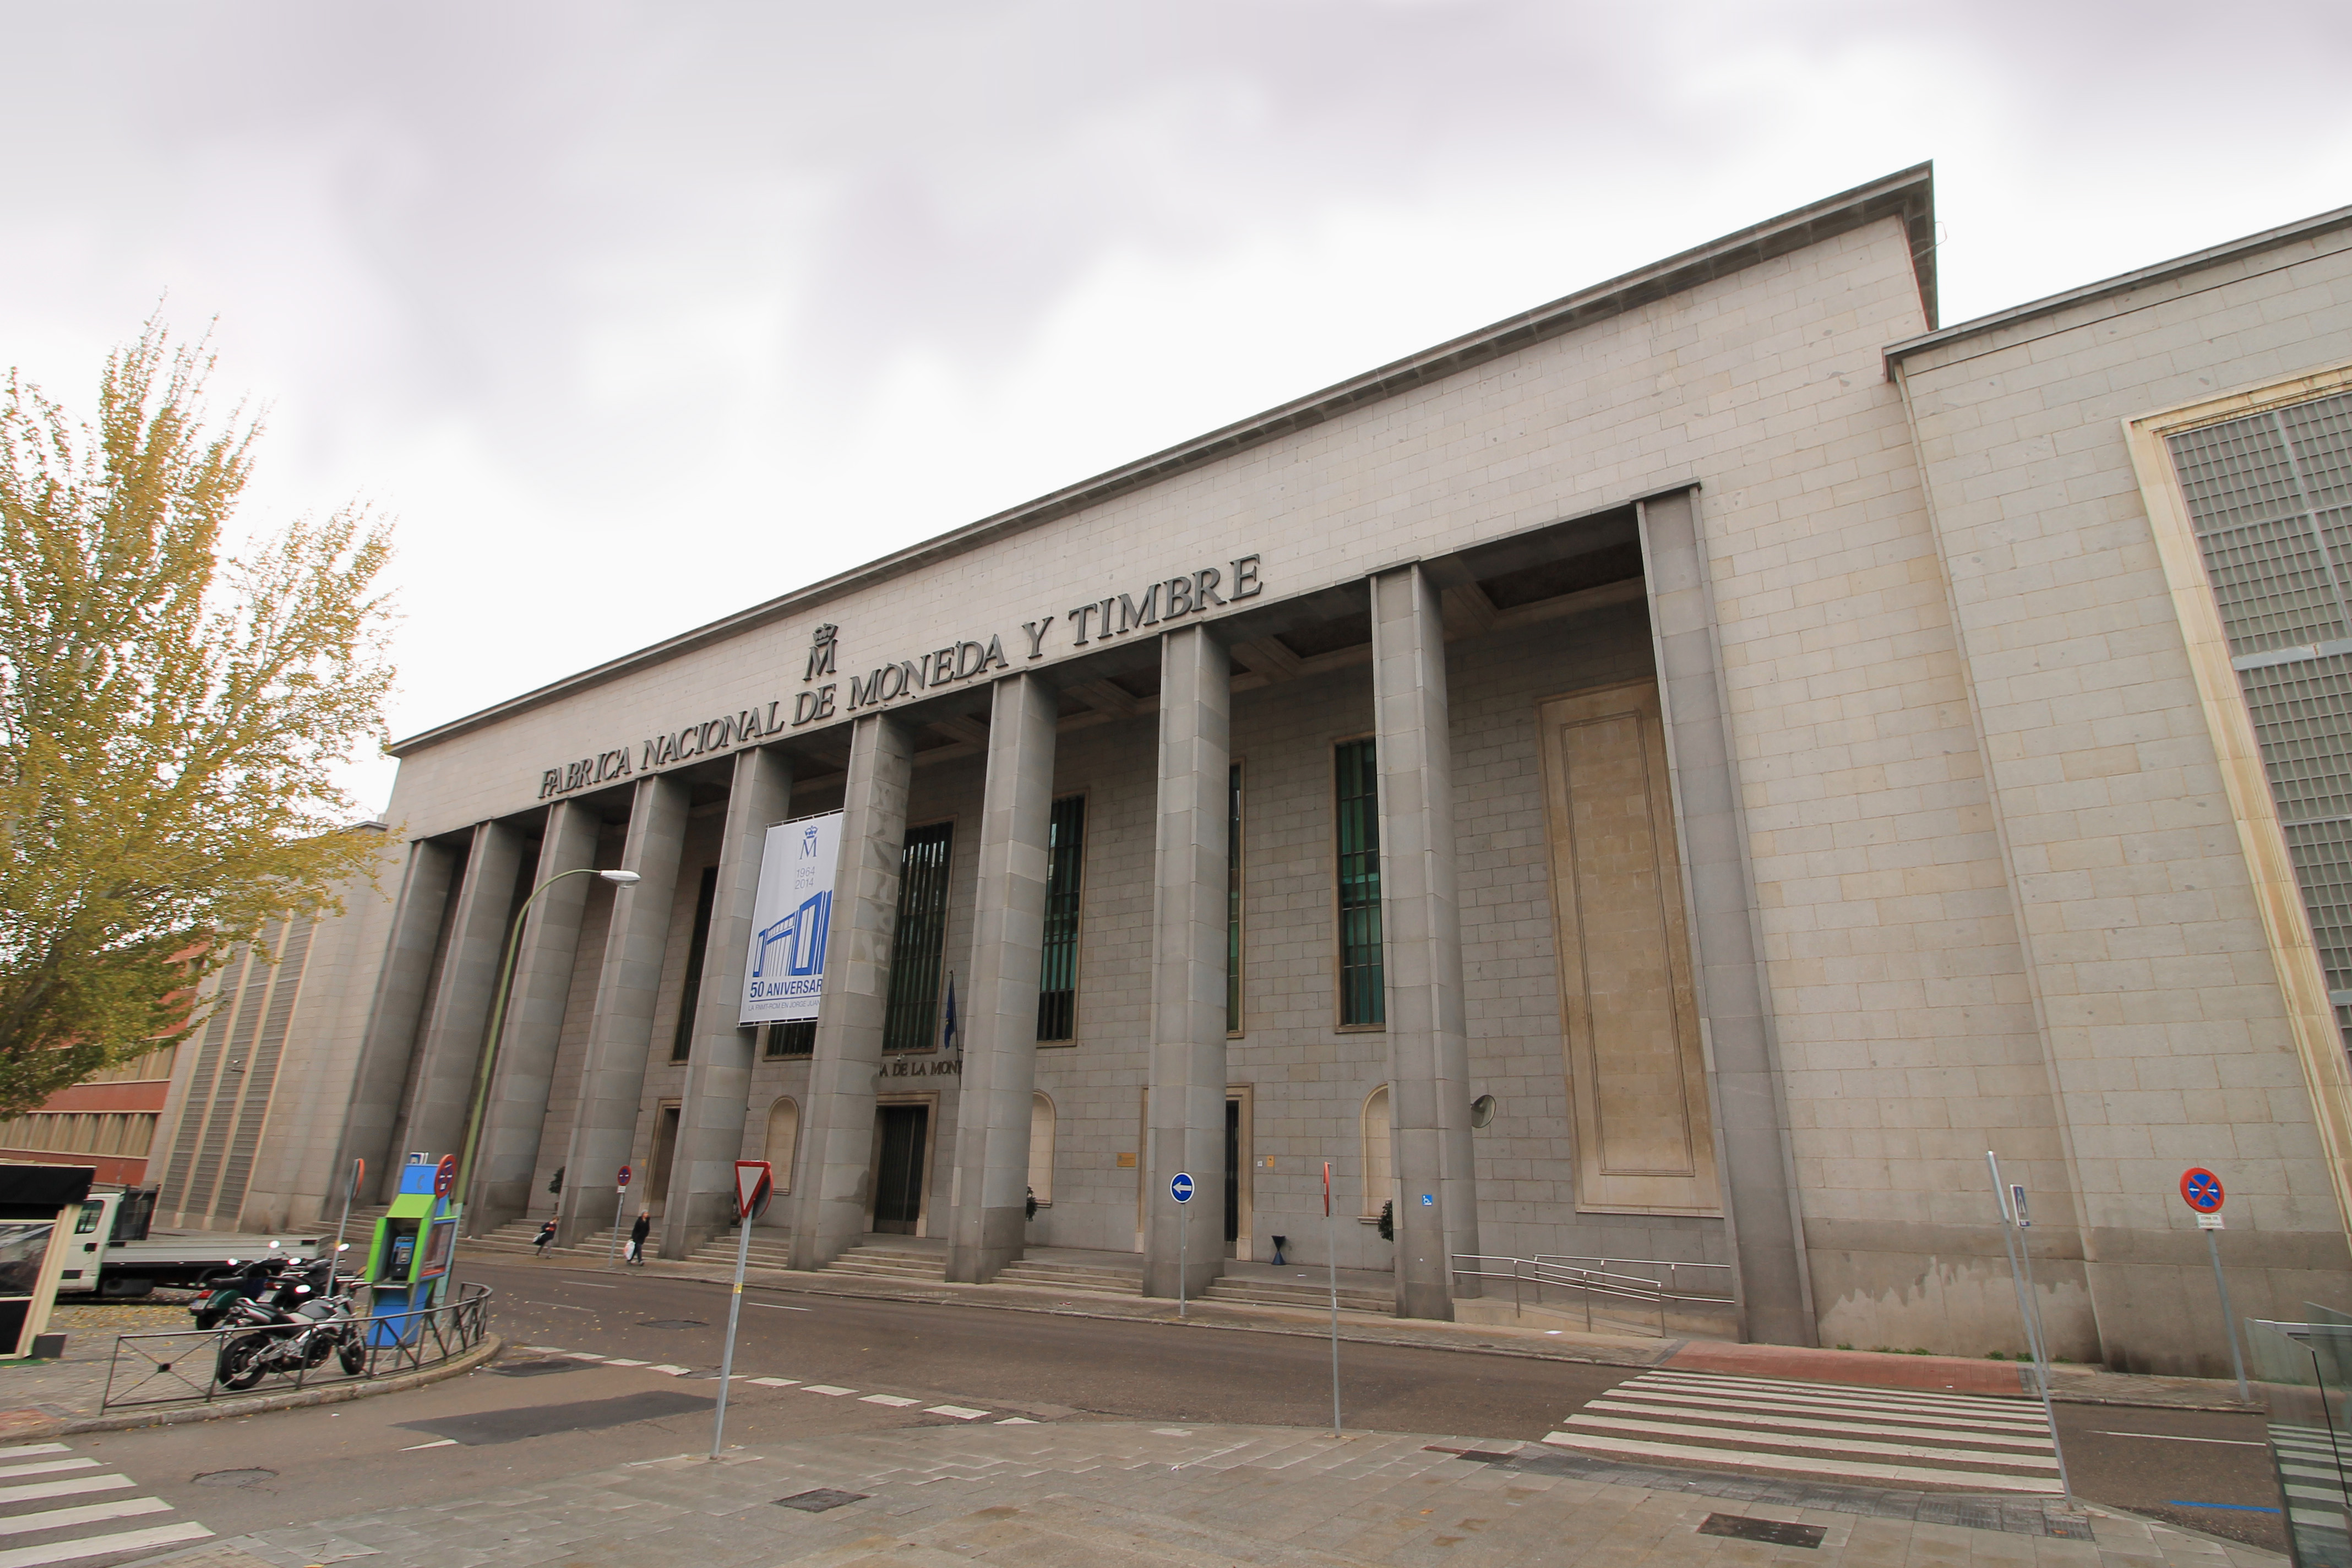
1077,1277
891,1263
1282,1293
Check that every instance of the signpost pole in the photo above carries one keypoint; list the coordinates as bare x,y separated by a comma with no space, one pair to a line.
2024,1277
2229,1317
620,1212
1183,1235
334,1262
747,1207
1331,1248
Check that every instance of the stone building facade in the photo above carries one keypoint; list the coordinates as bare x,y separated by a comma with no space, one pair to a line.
1679,775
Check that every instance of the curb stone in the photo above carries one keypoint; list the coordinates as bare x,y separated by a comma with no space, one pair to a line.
491,1346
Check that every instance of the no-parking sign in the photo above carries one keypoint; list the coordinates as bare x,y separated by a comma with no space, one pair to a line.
2201,1189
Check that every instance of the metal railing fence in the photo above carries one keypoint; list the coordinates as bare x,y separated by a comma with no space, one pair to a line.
182,1367
1594,1279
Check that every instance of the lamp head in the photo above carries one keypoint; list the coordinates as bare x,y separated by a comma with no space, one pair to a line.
624,879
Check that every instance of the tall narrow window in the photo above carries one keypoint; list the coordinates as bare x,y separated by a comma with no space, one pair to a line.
1233,900
682,1046
1363,1001
1057,978
914,949
797,1038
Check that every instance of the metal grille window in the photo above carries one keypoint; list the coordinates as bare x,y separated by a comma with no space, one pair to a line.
681,1045
1363,1000
2270,496
797,1038
922,935
1057,980
1233,900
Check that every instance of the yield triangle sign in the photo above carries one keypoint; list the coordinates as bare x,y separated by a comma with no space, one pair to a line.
754,1183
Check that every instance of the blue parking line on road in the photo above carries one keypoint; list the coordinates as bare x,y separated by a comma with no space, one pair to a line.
2231,1507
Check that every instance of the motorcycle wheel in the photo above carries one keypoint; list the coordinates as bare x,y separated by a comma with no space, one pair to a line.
240,1362
353,1355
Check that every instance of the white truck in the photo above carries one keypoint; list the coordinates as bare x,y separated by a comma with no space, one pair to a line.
113,1252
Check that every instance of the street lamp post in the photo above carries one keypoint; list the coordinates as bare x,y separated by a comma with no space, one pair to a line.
499,1020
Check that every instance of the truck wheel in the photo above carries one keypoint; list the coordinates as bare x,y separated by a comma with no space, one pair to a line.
240,1362
114,1289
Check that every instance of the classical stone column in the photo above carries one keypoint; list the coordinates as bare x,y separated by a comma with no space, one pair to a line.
1187,1114
1751,1123
989,1225
534,1023
1421,924
401,985
832,1191
718,1071
451,1054
613,1079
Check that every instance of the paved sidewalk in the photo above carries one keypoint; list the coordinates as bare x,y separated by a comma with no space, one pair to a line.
1120,1494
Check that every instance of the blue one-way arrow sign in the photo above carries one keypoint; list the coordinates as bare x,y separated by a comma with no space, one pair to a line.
1180,1187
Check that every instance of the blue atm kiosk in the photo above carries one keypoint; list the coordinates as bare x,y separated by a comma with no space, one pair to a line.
409,1260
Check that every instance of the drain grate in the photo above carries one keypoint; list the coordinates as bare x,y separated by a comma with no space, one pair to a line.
819,1500
674,1323
1770,1532
233,1477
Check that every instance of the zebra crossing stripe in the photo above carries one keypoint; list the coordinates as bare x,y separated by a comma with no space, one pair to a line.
1820,1445
101,1545
1971,1405
1981,1481
1827,1410
48,1467
32,1490
1817,1424
89,1513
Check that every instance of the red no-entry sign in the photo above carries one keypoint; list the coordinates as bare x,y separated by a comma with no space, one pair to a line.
2201,1189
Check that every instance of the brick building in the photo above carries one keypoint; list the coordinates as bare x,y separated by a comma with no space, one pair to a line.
1679,775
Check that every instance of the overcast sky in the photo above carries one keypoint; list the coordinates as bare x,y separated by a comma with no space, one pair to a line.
634,315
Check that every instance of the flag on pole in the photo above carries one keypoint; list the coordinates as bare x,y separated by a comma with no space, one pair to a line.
948,1036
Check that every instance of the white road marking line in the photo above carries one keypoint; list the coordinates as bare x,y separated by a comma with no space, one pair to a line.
673,1370
23,1450
62,1488
48,1467
2005,1410
1793,1406
1980,1480
100,1545
775,1382
1170,1431
436,1443
583,1355
889,1399
546,1350
1983,1404
960,1412
2168,1438
559,1306
825,1388
586,1285
1817,1444
89,1513
1016,1421
779,1307
1746,1419
616,1360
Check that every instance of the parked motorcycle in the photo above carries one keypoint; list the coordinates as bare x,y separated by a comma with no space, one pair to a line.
260,1277
296,1326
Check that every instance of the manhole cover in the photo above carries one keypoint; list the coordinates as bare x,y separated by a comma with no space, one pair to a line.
534,1368
674,1323
819,1500
233,1478
1771,1532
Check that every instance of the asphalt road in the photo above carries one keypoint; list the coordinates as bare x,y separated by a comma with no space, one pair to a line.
522,1422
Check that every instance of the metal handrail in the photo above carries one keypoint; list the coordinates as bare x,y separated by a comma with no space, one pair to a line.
1590,1282
1670,1265
147,1366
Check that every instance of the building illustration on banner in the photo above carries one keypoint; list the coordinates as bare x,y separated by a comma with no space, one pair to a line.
783,979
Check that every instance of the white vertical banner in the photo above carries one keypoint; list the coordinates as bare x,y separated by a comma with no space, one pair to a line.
783,973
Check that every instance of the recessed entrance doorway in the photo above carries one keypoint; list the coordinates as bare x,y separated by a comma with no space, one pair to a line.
902,1131
664,1150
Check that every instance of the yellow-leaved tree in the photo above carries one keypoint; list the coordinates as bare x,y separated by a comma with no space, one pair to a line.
171,714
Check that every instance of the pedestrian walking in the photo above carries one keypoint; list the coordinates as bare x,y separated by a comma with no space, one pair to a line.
637,1234
546,1237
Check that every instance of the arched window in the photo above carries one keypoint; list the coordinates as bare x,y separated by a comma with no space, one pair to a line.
1377,1180
783,1139
1041,1148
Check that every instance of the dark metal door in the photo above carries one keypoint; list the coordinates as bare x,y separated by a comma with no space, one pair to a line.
898,1187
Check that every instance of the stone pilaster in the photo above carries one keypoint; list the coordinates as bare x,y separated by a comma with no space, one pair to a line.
534,1023
832,1189
1421,924
990,1224
1771,1279
1187,1109
718,1071
388,1046
450,1053
613,1079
